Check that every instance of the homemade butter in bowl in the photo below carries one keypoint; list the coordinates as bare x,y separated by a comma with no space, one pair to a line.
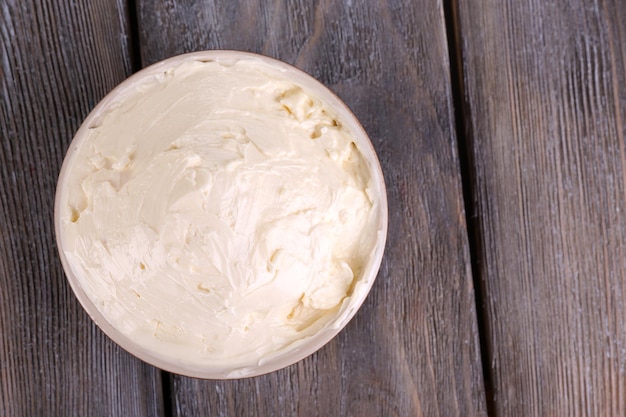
221,214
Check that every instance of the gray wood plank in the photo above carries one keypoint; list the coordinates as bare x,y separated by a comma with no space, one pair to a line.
58,59
545,88
413,348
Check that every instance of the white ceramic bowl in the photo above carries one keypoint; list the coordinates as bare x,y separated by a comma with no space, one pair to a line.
363,284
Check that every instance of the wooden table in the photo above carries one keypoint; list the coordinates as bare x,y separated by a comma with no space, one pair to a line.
501,129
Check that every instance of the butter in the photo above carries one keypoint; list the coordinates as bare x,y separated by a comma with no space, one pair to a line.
218,214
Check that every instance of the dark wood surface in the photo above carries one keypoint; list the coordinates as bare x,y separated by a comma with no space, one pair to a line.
58,60
545,110
527,118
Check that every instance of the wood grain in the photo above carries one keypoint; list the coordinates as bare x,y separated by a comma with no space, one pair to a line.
58,59
413,349
545,88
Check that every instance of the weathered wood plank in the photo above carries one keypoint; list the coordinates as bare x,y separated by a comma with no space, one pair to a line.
545,112
413,348
58,59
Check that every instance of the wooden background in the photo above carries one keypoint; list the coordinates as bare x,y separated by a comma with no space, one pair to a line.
501,128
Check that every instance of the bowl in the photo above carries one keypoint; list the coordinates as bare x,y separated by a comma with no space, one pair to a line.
192,211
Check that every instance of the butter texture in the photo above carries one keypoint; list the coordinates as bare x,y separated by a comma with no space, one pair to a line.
218,214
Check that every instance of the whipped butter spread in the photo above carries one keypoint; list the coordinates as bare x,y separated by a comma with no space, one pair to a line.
218,214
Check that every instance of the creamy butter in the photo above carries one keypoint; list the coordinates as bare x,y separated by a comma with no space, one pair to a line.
218,214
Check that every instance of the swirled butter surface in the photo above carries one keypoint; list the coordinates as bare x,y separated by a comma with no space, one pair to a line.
218,213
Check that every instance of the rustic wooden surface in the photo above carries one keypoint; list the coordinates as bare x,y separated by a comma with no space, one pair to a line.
545,113
58,60
539,94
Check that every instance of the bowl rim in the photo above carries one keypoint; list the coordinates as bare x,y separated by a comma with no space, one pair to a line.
298,350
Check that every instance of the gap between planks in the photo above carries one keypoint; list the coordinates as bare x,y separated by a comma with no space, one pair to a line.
134,44
466,166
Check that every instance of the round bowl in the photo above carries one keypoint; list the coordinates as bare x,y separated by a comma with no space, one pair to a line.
296,351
